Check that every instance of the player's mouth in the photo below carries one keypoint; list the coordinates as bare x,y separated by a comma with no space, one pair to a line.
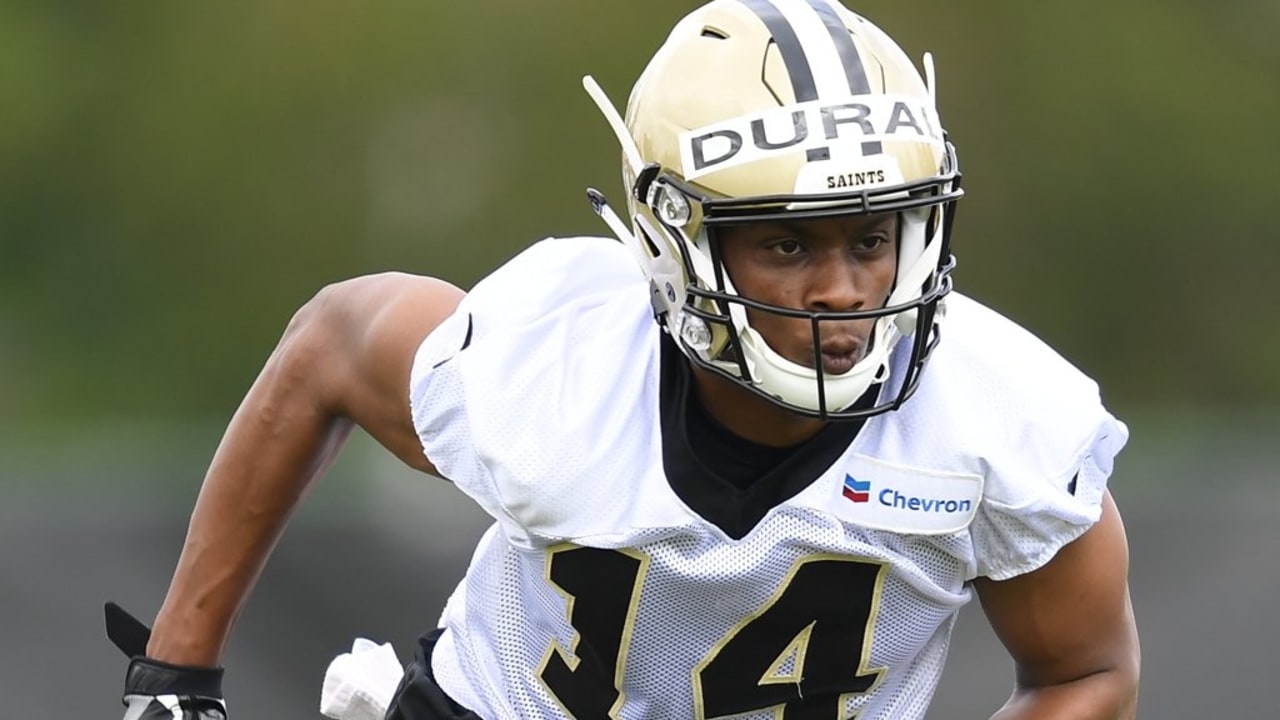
838,363
840,355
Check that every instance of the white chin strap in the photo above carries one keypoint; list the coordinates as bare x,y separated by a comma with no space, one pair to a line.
796,384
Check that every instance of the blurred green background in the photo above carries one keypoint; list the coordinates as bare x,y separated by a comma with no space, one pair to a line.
177,178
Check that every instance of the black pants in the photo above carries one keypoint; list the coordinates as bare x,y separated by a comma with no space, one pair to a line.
419,697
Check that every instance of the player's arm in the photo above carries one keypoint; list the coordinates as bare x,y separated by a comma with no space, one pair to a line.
1069,627
343,360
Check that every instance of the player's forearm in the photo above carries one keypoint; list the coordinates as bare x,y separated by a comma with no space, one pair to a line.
1110,695
280,439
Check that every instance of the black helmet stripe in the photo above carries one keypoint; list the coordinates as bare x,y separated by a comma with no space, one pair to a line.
782,23
793,55
849,57
787,36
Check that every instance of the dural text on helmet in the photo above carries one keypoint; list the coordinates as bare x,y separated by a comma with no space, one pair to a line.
842,128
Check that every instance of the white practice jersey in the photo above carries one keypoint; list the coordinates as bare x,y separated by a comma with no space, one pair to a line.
601,591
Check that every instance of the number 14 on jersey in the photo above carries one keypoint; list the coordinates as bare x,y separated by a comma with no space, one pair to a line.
800,655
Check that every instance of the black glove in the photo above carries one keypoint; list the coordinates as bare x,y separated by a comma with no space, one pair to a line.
155,690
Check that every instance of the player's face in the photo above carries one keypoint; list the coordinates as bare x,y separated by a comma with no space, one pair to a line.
819,265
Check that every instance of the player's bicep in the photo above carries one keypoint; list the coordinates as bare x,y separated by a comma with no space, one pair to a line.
375,325
1071,618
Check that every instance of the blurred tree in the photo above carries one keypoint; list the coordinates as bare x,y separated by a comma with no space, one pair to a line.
176,179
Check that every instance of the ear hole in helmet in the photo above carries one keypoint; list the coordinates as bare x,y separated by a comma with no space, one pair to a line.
714,32
649,244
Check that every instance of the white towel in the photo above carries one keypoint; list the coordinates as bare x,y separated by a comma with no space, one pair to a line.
359,685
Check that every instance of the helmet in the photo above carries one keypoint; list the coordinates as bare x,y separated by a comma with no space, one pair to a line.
785,109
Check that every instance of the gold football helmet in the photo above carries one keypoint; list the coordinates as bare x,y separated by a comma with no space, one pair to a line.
773,109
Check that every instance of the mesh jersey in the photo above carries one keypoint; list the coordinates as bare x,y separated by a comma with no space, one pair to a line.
598,593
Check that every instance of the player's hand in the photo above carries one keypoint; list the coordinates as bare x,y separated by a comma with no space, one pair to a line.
155,690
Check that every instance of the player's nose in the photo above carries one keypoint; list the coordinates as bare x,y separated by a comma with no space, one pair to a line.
835,284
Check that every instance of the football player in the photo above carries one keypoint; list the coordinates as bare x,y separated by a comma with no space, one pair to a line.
748,462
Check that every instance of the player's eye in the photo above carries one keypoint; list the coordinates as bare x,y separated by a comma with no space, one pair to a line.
869,243
786,247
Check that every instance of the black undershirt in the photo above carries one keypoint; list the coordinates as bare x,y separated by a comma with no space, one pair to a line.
731,457
728,480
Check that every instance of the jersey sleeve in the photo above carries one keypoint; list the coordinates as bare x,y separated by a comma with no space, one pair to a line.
1024,520
517,390
1046,443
